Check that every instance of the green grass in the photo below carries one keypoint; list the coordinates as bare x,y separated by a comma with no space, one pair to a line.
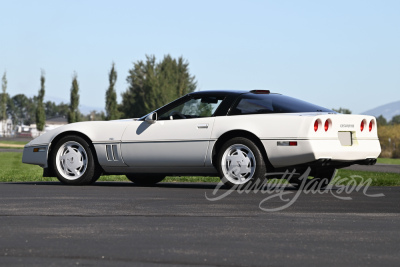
377,178
13,170
388,161
8,147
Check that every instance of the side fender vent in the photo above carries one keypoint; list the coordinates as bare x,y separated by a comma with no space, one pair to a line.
112,153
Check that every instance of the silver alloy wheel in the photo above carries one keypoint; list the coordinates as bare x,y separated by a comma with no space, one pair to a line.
71,160
238,164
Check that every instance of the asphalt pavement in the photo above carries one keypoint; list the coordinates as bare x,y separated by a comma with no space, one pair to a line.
174,224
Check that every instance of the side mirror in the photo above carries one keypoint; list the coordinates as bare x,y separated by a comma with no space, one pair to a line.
151,118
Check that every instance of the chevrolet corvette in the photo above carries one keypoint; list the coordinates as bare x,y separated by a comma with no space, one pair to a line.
239,136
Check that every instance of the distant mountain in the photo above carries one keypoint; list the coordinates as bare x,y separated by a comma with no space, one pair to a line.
387,111
87,109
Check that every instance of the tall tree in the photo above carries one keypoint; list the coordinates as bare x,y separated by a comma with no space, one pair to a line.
3,105
111,96
31,110
11,110
153,84
40,113
73,115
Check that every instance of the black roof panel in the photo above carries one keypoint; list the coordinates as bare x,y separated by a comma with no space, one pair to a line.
220,92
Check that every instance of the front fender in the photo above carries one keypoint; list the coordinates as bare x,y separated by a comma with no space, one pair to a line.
36,151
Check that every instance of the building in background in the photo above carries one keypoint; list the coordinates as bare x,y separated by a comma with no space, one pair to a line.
32,132
6,128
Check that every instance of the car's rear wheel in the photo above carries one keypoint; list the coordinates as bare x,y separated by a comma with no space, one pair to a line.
320,180
240,162
145,180
73,161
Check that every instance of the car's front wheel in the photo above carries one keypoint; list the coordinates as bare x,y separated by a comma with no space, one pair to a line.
145,180
240,162
73,161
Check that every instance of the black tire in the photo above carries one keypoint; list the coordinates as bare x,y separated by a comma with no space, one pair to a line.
145,180
249,168
66,157
321,179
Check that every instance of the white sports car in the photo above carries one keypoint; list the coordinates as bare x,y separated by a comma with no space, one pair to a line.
240,136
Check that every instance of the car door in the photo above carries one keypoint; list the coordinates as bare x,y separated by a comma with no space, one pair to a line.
169,143
179,138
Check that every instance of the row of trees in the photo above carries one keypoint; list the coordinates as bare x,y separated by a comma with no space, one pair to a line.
382,121
389,137
23,110
151,85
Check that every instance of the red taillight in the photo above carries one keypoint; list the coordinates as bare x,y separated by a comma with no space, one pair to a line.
316,125
292,143
362,126
326,125
370,125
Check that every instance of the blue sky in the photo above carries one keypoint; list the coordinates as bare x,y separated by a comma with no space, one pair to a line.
331,53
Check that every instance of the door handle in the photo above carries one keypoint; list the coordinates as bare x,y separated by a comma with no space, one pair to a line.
202,126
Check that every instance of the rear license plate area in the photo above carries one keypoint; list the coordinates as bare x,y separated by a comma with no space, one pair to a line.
345,138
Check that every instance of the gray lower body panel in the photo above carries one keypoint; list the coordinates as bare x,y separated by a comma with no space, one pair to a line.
36,158
195,171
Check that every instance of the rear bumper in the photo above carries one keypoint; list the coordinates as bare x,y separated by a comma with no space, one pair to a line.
329,151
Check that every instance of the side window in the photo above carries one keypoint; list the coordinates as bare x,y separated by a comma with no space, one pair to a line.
193,108
253,106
